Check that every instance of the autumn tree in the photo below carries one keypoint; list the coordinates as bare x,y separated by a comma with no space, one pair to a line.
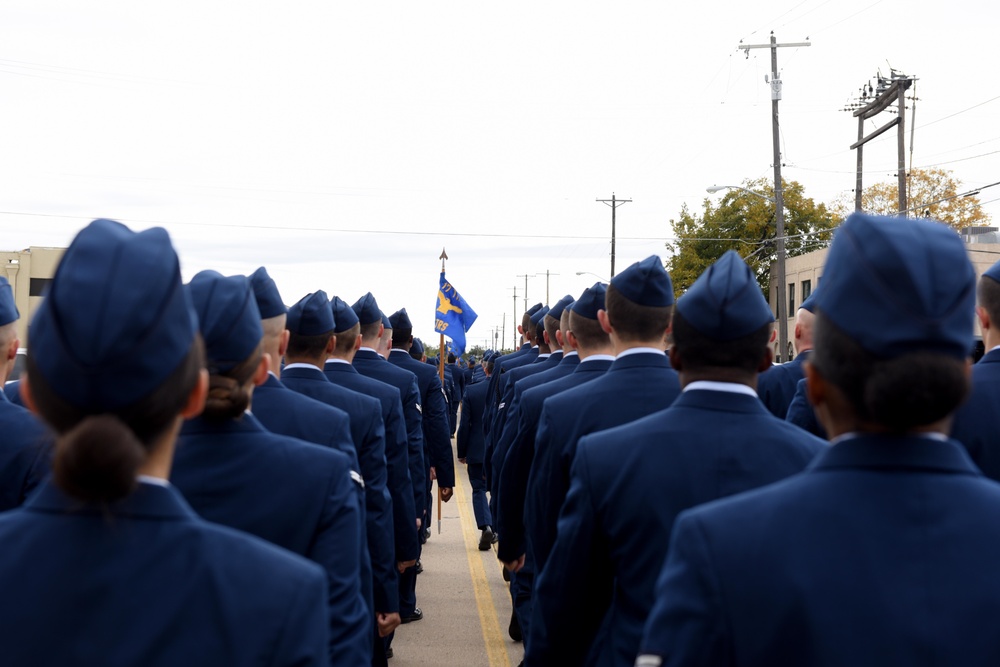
931,193
745,223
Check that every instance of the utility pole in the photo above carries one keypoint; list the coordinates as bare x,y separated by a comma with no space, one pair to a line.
614,204
525,276
515,318
547,274
779,206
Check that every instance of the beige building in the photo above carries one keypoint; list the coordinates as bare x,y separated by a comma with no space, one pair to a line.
804,273
30,273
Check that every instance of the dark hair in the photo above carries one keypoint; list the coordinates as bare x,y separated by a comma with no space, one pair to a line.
911,390
347,339
97,455
988,295
402,337
451,357
551,327
307,346
526,322
633,322
699,352
413,353
228,393
589,333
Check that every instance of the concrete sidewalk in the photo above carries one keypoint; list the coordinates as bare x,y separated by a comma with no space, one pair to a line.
462,593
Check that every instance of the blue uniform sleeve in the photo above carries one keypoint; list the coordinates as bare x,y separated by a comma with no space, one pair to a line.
513,488
547,487
400,485
438,432
464,429
686,625
415,446
303,637
801,413
378,516
337,547
567,616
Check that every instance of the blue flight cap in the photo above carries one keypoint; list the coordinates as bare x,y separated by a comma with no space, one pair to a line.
418,347
900,285
534,309
386,324
228,318
366,308
993,272
562,304
311,316
725,302
400,320
646,283
344,316
116,322
539,315
591,301
810,302
8,309
265,291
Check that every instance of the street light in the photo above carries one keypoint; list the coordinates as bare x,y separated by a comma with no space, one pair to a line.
779,237
602,279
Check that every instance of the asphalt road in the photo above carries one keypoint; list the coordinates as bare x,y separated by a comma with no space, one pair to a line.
462,593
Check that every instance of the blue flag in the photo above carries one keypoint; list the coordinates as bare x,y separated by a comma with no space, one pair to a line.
453,316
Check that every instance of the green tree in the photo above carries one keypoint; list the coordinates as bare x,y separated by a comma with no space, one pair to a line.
931,193
745,223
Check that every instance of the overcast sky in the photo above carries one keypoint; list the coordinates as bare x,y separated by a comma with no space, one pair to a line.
342,145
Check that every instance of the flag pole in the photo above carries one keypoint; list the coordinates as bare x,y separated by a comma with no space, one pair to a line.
443,257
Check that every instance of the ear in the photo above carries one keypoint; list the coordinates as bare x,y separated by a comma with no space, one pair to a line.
520,329
331,345
574,343
798,331
675,359
560,338
545,337
984,319
260,375
767,361
602,317
816,389
196,399
357,342
381,330
12,349
283,344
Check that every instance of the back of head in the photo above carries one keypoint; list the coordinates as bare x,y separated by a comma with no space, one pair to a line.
369,317
310,327
272,309
402,329
722,323
894,320
988,293
346,327
639,301
114,356
554,317
231,328
417,349
583,322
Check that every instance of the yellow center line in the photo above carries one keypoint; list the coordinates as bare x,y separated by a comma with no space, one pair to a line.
496,647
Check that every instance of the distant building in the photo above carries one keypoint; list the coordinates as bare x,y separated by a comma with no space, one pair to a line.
804,273
30,273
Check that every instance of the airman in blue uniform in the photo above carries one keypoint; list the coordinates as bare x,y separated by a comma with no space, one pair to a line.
717,439
884,551
225,458
977,422
130,574
638,307
776,386
472,451
310,324
26,444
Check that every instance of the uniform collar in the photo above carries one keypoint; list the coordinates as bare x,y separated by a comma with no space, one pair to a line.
902,452
730,387
152,501
292,367
640,350
597,357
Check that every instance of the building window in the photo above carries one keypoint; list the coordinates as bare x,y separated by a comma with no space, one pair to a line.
807,288
791,299
39,286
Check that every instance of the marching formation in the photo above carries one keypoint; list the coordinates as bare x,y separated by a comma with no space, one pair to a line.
196,474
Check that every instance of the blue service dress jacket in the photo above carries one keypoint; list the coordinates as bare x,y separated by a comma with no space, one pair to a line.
508,382
368,434
526,355
25,450
470,442
883,552
635,385
776,385
370,364
397,466
801,413
147,582
281,410
627,487
297,495
437,433
13,392
977,422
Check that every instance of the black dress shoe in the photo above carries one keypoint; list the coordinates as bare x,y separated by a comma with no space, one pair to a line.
388,653
427,534
416,616
487,539
505,572
514,629
420,568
